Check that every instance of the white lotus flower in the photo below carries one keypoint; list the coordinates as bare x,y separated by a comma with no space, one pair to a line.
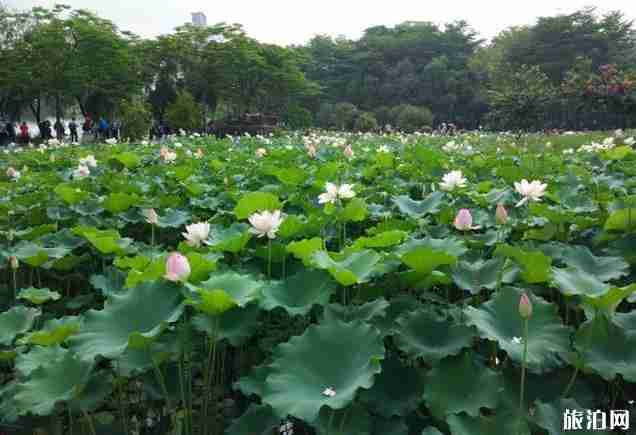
111,141
530,191
13,173
261,152
151,216
348,152
266,223
452,180
88,161
333,192
197,233
517,340
178,144
82,171
144,142
630,141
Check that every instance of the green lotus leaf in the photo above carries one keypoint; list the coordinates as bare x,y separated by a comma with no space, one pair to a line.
38,356
35,255
461,384
70,195
426,255
355,211
211,302
36,232
140,359
353,420
607,348
355,269
363,313
201,266
173,219
155,270
138,262
253,202
15,321
500,424
299,292
499,320
397,390
381,240
61,380
398,306
305,249
93,396
236,324
68,263
293,176
623,219
337,355
112,282
423,334
257,420
477,275
38,296
536,266
292,226
119,202
105,241
254,383
417,209
8,355
55,331
144,310
128,159
603,268
431,431
618,153
572,281
232,239
608,302
241,288
550,417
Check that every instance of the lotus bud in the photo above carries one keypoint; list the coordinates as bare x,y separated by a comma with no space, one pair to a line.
525,307
13,261
177,267
151,216
501,215
348,151
463,220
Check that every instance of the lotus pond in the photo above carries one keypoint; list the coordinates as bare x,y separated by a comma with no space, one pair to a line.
330,283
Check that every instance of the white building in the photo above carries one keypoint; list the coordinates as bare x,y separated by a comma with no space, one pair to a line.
199,19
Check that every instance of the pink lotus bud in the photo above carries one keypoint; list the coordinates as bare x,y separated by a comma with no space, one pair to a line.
348,151
13,261
525,307
464,220
177,267
501,215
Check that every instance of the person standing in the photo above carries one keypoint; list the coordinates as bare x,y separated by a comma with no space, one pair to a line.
24,133
103,128
59,130
72,128
10,129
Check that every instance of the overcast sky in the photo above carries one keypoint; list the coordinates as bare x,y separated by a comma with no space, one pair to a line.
294,22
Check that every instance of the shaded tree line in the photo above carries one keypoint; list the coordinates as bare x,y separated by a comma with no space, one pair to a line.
567,71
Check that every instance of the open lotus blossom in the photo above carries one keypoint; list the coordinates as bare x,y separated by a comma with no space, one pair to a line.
82,171
334,192
312,151
530,191
88,161
261,152
197,233
452,180
199,153
630,141
348,152
13,173
177,267
166,155
151,216
266,223
464,221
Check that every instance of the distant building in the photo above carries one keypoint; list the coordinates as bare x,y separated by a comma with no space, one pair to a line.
199,19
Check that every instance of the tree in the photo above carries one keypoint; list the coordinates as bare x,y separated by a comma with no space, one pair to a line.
410,118
184,113
366,122
136,119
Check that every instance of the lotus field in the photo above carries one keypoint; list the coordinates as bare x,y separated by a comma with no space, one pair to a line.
327,283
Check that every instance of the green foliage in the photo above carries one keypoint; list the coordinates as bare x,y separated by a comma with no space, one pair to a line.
184,113
135,118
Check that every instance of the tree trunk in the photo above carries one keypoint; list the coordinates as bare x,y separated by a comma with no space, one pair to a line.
36,109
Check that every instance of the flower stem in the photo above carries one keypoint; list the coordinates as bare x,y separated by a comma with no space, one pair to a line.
152,235
15,285
523,367
269,258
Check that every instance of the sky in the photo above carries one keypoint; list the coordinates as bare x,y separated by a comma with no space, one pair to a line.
287,22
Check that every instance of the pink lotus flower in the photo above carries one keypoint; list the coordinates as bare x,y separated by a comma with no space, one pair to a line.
348,152
13,173
177,268
464,221
525,306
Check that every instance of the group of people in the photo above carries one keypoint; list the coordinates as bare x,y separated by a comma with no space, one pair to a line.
21,134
